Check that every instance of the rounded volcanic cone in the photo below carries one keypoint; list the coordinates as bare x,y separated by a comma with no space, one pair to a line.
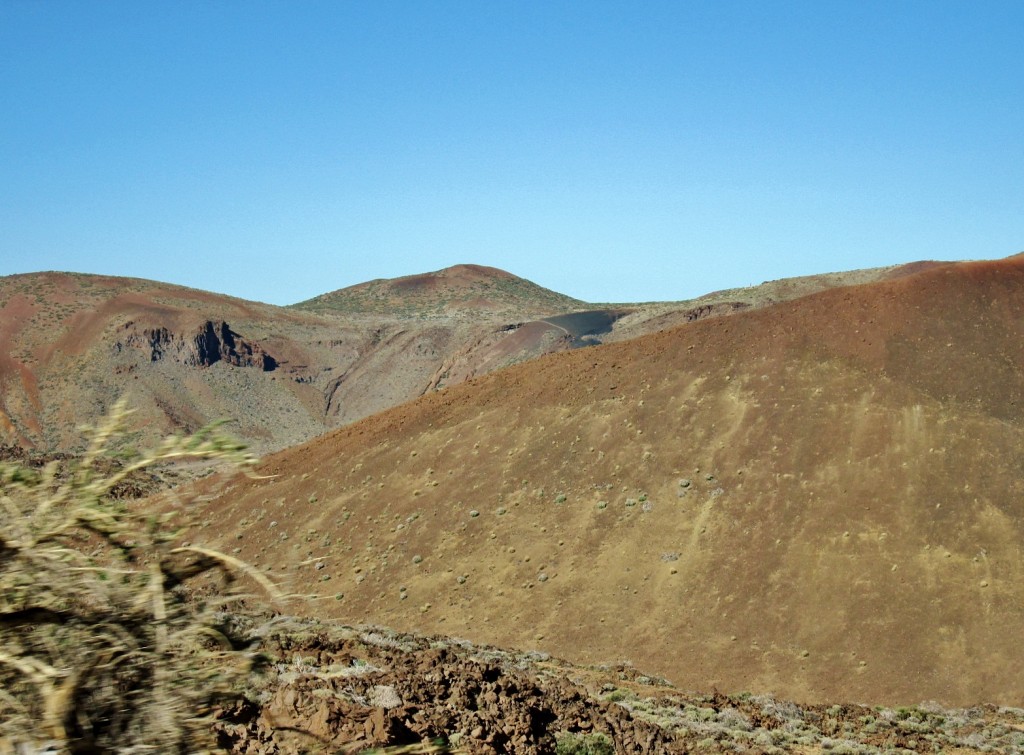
821,500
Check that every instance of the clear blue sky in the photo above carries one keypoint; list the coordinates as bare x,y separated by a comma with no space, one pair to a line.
609,150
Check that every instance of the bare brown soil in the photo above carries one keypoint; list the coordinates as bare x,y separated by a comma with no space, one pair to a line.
820,500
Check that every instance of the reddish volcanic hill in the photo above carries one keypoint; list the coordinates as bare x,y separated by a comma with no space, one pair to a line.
72,344
821,499
468,289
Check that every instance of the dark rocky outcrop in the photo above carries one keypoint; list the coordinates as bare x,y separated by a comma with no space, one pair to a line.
376,688
215,342
212,342
333,689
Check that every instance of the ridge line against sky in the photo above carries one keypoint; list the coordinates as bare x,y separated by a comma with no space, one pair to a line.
606,150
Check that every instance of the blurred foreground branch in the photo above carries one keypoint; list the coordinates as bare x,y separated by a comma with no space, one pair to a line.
101,646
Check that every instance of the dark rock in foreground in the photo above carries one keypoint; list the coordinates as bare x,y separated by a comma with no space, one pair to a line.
342,689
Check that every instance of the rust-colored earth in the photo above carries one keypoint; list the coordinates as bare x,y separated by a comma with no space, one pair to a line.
820,499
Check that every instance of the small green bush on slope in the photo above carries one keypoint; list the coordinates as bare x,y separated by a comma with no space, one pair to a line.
100,647
594,743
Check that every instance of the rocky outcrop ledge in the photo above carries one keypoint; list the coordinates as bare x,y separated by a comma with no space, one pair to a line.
346,690
212,342
335,689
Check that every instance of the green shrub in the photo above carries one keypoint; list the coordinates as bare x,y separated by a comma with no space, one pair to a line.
569,743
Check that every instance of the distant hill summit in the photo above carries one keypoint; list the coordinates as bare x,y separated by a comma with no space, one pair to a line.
460,289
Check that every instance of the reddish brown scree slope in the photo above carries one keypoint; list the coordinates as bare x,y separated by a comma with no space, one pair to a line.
822,500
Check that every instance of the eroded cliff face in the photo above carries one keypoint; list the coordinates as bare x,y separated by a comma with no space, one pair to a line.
212,342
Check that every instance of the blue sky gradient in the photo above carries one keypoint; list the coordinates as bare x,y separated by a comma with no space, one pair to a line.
613,151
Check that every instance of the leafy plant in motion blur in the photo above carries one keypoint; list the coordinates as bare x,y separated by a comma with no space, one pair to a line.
101,646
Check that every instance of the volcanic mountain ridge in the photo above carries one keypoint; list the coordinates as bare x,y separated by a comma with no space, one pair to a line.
71,344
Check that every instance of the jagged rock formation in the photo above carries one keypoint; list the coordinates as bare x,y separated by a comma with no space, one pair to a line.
375,688
212,342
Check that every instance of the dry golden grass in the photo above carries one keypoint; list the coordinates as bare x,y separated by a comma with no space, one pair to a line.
101,647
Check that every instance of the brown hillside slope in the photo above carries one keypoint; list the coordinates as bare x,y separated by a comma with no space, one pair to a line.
821,499
72,344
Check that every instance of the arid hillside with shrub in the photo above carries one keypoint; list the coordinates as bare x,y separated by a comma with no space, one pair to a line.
819,499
